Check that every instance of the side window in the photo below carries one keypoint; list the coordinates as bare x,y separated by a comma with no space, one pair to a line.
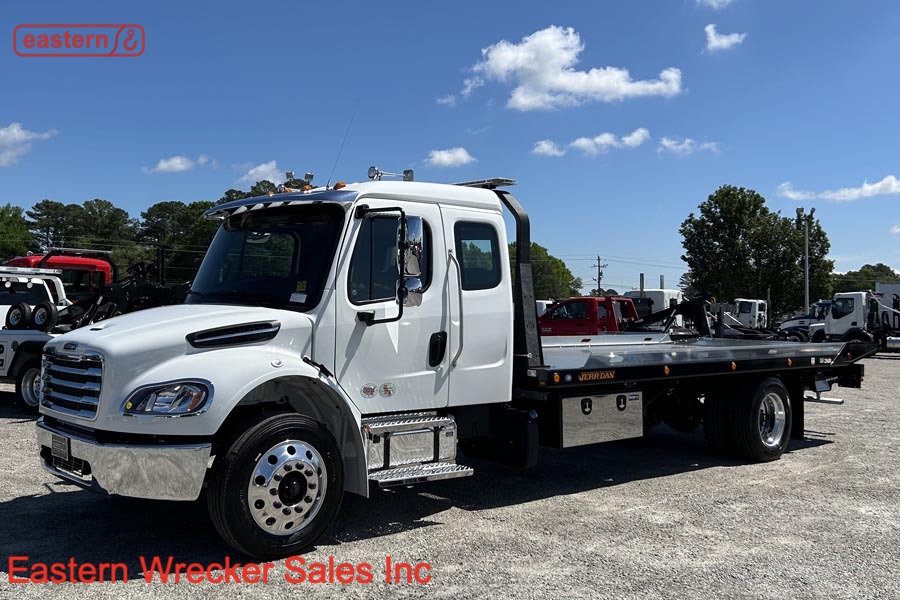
373,267
479,255
601,311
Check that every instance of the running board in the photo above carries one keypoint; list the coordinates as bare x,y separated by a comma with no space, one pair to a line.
419,473
818,399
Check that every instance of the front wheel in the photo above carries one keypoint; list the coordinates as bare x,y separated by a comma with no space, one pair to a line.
277,488
28,386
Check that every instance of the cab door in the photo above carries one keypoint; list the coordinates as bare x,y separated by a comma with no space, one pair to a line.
399,365
479,289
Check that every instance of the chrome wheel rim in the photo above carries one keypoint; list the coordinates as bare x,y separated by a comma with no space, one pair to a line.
40,317
31,387
15,317
772,420
287,487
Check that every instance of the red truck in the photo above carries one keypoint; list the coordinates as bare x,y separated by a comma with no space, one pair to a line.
588,315
84,272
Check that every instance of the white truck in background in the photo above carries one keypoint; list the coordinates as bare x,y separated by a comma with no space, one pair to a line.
343,337
648,301
861,316
751,313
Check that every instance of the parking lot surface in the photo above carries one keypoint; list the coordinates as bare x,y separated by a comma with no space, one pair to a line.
650,518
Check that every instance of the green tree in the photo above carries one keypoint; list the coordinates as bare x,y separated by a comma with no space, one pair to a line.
551,277
865,278
737,247
15,239
55,224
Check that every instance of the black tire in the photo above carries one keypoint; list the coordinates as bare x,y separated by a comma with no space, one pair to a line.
229,486
27,381
804,337
18,316
44,316
818,336
717,417
761,428
793,337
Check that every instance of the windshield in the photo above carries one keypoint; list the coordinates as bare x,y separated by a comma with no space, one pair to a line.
17,291
745,308
273,257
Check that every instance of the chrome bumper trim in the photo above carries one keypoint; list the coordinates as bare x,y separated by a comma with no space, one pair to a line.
153,472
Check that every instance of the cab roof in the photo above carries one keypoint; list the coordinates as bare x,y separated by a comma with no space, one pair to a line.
414,191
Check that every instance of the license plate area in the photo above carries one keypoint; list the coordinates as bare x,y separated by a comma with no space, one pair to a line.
59,446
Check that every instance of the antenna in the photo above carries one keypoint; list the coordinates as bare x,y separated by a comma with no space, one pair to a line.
341,149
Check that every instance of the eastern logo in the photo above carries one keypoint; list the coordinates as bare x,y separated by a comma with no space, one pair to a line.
368,390
387,390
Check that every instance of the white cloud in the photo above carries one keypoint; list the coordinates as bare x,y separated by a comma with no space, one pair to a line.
180,163
895,229
173,164
597,144
636,137
889,186
592,146
686,146
263,172
542,70
448,100
716,41
787,190
548,148
451,157
15,141
715,4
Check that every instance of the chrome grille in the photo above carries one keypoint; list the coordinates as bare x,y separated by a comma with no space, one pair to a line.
71,384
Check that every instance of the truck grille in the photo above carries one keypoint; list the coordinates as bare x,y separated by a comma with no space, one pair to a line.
71,384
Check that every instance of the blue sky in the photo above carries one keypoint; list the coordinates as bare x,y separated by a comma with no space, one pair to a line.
617,118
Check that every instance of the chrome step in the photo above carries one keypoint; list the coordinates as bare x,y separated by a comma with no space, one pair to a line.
823,400
419,473
398,423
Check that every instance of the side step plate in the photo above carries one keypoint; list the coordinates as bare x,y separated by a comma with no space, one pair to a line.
817,399
419,473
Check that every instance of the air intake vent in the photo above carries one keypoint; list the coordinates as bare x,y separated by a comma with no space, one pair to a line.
233,335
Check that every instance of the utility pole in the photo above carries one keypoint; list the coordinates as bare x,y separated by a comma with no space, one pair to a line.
801,213
599,266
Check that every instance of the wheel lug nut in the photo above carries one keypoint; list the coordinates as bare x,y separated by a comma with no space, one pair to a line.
308,500
308,473
311,486
288,467
277,477
298,509
273,491
286,511
276,504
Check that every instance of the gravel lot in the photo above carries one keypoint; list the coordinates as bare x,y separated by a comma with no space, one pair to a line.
659,517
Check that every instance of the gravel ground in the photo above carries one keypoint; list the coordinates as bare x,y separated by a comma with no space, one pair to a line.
658,517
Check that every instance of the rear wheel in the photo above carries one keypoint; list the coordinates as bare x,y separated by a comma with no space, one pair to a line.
761,428
818,336
44,316
277,488
717,422
18,316
28,386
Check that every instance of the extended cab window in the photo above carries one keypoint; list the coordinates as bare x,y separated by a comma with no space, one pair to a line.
479,255
373,268
569,310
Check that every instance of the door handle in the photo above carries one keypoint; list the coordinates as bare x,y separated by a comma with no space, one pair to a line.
437,347
455,262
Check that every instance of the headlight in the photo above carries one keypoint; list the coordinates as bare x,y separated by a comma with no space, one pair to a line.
171,399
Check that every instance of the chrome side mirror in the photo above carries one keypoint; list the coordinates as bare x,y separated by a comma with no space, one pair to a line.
415,244
410,293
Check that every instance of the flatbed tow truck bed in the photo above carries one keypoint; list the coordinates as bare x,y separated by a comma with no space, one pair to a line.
634,358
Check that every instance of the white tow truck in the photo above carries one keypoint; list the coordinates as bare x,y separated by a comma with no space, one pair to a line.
29,300
359,335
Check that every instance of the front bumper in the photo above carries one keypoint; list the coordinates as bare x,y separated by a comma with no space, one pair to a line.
140,471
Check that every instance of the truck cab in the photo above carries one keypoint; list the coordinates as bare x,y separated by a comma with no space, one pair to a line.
648,301
588,315
751,313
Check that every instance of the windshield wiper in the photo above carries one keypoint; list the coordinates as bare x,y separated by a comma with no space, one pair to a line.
200,295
